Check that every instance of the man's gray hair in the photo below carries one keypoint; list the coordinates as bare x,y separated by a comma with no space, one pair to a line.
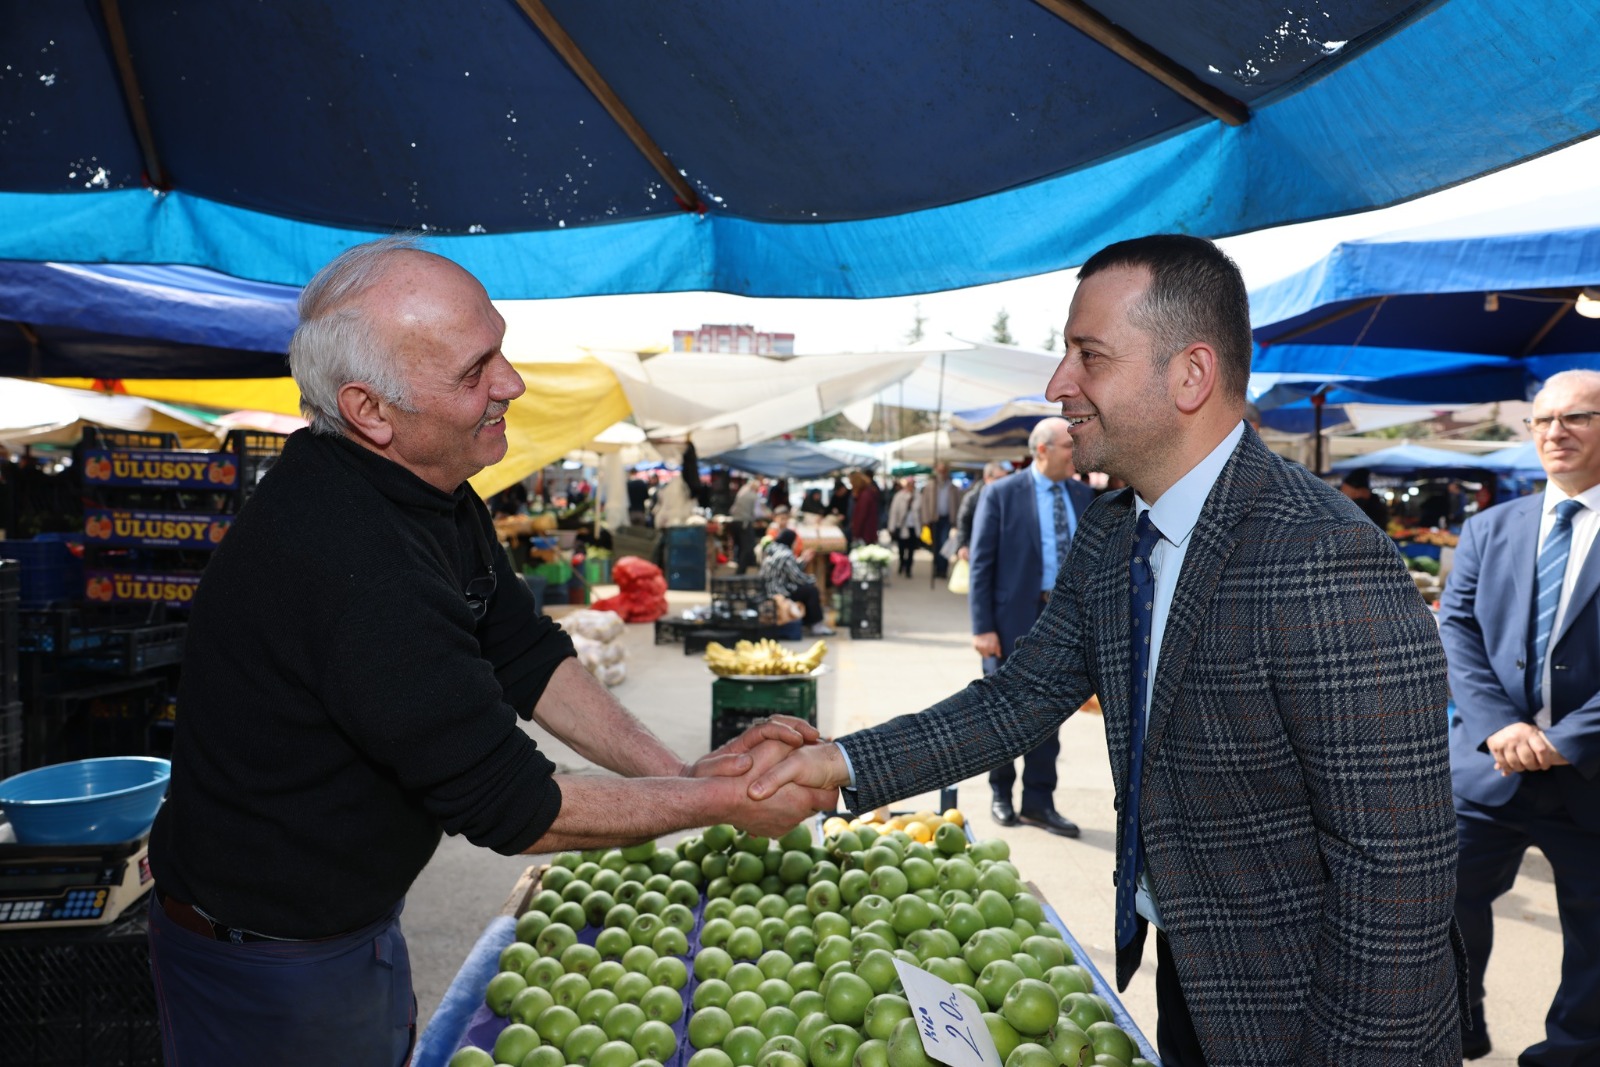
1578,376
1044,431
994,470
337,343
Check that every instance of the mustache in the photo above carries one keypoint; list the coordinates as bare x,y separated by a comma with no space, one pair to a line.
494,411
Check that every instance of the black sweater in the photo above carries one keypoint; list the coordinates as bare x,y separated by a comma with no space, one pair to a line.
340,706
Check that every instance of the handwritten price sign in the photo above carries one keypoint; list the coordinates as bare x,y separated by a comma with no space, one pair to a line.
952,1027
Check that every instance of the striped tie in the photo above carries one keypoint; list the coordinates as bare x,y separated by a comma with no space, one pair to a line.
1552,569
1058,515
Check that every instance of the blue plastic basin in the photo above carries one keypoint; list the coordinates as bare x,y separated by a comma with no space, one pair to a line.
85,802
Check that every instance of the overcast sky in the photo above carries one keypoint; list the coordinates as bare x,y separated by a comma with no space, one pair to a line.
544,328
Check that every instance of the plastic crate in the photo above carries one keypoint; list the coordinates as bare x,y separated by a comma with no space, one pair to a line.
861,608
112,719
759,610
48,570
74,998
10,639
640,541
736,706
672,631
103,437
687,576
738,586
695,641
11,739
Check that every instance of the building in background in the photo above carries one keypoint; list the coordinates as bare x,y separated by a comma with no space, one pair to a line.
744,340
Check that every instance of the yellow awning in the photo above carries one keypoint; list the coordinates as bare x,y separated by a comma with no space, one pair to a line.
567,404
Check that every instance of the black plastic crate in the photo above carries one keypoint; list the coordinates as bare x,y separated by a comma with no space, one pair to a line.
112,719
73,998
672,631
11,739
759,610
738,586
696,640
866,628
96,437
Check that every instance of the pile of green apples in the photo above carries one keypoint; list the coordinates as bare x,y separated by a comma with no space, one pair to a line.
795,957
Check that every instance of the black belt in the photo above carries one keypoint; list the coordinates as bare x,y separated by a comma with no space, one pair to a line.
190,918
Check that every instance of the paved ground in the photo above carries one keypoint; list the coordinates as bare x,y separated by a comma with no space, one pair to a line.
926,655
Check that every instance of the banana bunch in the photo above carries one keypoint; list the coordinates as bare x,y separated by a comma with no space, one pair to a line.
763,657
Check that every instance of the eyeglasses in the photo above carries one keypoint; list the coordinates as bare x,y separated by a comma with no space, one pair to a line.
1572,420
481,588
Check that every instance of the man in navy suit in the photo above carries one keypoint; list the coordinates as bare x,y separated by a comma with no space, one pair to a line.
1520,620
1020,537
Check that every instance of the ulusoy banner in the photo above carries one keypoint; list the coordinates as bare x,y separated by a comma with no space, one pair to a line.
121,587
161,469
154,529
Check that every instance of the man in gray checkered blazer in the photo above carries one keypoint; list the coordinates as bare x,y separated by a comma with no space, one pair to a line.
1293,835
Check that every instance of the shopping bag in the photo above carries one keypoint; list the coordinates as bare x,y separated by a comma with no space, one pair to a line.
960,577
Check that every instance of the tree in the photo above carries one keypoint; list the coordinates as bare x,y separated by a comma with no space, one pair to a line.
917,319
1050,342
1001,333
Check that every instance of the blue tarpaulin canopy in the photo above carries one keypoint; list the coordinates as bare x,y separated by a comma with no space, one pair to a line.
1473,310
791,459
1521,460
1409,459
133,321
842,148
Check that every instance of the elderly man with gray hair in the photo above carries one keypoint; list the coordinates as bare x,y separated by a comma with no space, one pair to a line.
360,651
992,472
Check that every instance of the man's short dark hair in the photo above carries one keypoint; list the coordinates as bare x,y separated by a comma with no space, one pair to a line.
1360,478
787,537
1196,293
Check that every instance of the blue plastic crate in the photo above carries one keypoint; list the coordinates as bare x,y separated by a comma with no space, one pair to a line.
49,570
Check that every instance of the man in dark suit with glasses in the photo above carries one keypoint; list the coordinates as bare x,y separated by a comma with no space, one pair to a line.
359,653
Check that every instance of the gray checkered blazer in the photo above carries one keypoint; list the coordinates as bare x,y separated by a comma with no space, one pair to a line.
1296,806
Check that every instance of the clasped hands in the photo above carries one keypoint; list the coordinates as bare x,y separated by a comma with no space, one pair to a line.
1523,747
779,773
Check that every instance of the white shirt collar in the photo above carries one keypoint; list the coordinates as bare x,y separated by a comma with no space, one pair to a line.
1554,494
1179,507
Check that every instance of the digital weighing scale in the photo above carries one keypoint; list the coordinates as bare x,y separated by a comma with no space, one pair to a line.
70,885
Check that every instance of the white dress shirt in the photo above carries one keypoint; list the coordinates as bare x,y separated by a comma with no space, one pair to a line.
1175,515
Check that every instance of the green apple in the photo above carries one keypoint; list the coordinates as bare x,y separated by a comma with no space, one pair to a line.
639,958
794,867
471,1056
994,848
544,1056
570,912
745,1008
712,993
667,971
1029,1054
708,1026
637,872
515,1042
809,1026
1005,1036
554,939
579,958
612,942
710,1057
779,1019
678,916
605,974
743,976
910,914
621,916
877,934
1068,1044
775,991
808,1002
950,839
569,989
555,1024
644,927
670,941
1029,1005
614,1053
873,1052
780,1055
1049,953
831,950
745,869
631,986
743,1043
583,1043
663,1003
655,1040
871,908
831,923
996,978
772,930
526,1005
719,838
803,976
888,881
517,956
652,901
621,1021
877,969
905,1046
595,1004
920,873
846,999
800,943
1030,966
883,1013
533,920
574,891
502,990
823,896
715,932
1082,1009
775,963
823,870
544,971
745,943
1109,1039
834,1046
714,866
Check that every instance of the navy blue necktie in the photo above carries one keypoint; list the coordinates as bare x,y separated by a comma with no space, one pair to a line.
1058,515
1141,615
1551,569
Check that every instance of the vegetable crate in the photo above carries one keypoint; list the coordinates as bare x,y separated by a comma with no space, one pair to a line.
76,998
861,608
737,705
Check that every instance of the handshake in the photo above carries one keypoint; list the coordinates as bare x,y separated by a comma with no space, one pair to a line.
775,775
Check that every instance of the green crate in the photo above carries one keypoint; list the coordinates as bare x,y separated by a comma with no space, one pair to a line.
783,696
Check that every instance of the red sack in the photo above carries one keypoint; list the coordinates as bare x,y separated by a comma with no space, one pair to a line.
642,591
841,568
632,568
